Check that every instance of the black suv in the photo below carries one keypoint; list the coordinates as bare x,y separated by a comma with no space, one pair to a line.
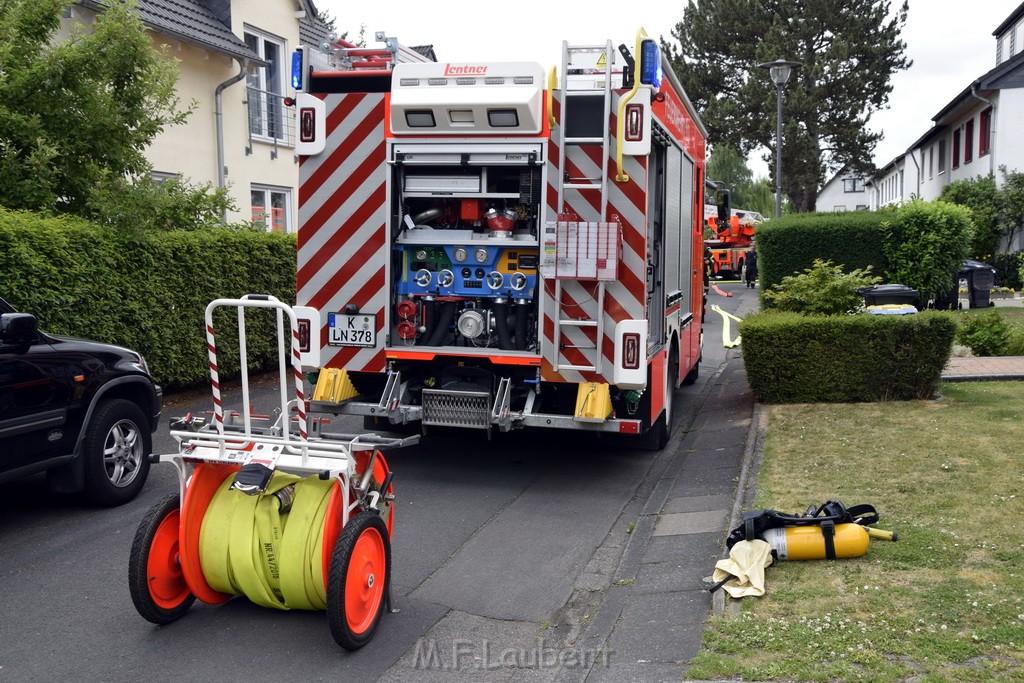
82,411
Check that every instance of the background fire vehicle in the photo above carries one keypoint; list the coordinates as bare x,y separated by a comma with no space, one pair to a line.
481,246
731,239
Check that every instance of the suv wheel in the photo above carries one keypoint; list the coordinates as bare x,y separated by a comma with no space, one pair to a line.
116,449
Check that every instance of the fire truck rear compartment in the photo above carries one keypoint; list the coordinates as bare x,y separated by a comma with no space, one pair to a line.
464,249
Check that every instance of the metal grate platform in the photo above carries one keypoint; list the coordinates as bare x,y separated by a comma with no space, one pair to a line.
471,409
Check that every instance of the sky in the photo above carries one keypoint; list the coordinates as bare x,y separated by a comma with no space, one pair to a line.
950,42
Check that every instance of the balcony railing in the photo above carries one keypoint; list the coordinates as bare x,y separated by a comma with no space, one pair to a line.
269,120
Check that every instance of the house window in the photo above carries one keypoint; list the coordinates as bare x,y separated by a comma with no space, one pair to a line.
271,207
985,133
931,160
839,208
942,157
853,184
969,141
265,96
861,207
160,177
956,148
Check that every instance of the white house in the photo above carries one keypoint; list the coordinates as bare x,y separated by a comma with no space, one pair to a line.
979,130
845,191
233,57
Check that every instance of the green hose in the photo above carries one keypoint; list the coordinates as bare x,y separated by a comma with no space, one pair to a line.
248,546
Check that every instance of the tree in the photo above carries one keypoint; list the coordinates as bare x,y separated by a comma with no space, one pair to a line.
979,195
849,50
77,115
1010,204
728,166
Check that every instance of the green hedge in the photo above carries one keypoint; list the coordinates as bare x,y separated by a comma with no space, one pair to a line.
794,358
146,291
789,244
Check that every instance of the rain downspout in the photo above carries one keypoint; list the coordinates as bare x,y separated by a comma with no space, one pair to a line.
913,156
221,172
991,129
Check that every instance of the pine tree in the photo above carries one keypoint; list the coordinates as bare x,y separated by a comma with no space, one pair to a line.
849,50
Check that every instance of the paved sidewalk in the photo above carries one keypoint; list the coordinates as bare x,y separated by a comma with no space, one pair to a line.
976,369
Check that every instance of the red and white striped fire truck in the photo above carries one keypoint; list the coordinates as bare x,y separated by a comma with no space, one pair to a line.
482,246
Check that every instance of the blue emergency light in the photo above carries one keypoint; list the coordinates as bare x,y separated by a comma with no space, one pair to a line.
297,69
650,63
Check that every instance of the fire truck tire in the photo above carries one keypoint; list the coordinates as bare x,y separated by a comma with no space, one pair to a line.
359,580
155,578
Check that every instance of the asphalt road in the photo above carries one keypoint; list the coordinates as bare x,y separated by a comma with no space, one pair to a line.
491,537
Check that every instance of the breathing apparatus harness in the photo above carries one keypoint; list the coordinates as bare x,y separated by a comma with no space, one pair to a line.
827,516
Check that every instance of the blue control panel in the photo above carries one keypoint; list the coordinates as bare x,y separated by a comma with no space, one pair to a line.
471,270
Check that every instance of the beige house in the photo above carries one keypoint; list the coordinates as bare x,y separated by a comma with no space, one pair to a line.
235,63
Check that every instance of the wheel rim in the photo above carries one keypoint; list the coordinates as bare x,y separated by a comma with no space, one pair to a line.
165,579
364,583
122,453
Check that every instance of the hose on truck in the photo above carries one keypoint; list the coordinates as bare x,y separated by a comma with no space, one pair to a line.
444,321
522,318
501,325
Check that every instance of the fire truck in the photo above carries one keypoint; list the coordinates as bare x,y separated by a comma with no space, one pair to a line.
487,246
732,238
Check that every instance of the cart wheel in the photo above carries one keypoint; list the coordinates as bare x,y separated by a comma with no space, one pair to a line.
359,579
155,579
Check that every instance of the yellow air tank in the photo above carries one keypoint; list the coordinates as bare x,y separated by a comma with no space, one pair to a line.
808,542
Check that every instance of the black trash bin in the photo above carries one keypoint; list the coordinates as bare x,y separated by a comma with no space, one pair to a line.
981,277
880,295
948,300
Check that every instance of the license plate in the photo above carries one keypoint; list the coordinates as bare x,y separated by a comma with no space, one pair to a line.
351,330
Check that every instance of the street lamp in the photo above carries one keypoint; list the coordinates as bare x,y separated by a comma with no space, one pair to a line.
779,70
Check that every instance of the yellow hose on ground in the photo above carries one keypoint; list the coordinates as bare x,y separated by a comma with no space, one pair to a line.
727,340
248,546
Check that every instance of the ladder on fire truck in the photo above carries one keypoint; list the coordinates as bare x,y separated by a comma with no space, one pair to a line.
583,184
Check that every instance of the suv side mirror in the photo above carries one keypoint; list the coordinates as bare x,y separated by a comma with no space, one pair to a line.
18,328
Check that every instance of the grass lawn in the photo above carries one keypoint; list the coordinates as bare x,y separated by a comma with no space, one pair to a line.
944,603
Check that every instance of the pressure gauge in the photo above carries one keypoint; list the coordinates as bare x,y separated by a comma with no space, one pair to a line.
460,254
480,255
445,278
421,254
518,282
495,279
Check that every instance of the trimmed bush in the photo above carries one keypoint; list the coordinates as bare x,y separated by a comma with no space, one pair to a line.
926,244
793,358
147,291
790,244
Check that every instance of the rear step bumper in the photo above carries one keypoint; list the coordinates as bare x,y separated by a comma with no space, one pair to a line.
472,417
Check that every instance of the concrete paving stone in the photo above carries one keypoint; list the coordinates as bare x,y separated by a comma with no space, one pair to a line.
660,627
717,422
693,548
697,503
665,577
630,672
590,581
681,523
714,456
706,481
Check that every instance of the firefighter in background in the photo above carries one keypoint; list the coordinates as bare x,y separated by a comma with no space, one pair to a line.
751,270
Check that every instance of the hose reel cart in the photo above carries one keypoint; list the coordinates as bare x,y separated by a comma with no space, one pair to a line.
274,507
